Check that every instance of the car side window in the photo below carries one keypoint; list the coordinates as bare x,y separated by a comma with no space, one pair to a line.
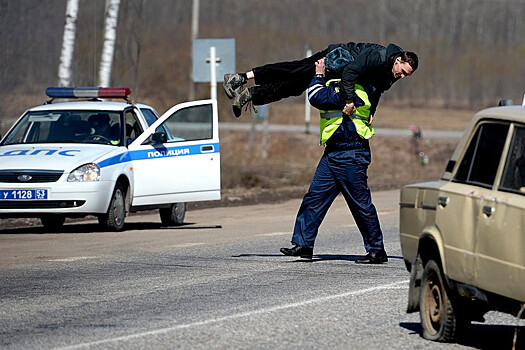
133,127
191,123
513,179
480,162
151,117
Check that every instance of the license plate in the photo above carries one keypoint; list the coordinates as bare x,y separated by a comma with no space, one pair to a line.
23,194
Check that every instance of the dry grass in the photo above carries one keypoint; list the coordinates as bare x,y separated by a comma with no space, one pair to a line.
292,159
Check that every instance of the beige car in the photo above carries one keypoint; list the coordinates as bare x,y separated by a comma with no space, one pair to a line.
463,237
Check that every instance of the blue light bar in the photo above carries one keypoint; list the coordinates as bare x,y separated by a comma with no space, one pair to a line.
59,92
88,92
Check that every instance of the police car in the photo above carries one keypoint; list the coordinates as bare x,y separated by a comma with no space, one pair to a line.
105,158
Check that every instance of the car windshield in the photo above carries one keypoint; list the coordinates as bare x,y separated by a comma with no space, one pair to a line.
60,126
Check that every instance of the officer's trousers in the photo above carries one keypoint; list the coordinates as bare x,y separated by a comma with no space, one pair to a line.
339,172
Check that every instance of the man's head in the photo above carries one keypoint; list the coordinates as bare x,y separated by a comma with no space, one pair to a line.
99,122
405,64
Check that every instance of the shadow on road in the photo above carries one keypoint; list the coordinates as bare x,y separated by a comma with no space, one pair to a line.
346,257
320,257
95,227
482,336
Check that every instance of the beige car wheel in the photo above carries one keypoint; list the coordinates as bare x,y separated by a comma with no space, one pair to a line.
440,319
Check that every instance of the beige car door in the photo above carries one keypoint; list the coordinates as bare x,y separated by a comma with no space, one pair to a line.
456,219
500,262
459,202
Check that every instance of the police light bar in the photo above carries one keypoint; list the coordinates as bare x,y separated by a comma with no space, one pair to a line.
88,92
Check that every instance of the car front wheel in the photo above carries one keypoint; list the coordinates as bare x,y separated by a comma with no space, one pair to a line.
116,214
441,319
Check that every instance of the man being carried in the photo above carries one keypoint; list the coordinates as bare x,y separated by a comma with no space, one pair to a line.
363,63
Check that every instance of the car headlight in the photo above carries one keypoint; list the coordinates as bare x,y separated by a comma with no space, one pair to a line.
85,173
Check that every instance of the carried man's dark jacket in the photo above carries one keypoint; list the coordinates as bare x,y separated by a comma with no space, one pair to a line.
371,67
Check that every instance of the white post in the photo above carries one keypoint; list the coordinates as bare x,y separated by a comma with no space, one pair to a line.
266,116
213,73
307,109
68,43
110,36
251,138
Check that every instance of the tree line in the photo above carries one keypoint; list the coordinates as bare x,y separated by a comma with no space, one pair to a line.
471,51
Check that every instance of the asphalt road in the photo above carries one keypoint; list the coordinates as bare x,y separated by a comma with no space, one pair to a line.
218,282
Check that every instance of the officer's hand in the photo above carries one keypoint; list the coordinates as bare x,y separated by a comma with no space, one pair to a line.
320,66
370,120
349,108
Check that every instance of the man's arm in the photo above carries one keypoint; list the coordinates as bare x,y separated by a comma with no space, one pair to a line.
365,62
374,101
321,96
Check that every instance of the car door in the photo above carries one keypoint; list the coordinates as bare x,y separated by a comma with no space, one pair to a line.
177,158
500,262
459,201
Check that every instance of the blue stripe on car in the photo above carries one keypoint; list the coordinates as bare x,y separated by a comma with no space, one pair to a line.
160,152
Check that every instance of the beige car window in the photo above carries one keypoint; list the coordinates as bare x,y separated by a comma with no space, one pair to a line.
480,162
513,179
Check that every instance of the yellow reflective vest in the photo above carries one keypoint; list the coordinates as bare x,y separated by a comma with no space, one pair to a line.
331,120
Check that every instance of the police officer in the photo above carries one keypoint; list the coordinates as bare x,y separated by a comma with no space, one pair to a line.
342,169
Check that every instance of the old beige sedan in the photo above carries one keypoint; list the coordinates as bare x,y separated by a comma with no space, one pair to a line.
463,237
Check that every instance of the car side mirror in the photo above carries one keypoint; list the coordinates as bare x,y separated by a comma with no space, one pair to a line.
156,138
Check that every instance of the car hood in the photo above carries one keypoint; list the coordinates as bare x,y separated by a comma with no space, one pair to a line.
65,157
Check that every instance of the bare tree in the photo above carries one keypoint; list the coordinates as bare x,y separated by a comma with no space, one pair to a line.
68,43
110,36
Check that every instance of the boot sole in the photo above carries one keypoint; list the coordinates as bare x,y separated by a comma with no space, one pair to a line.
371,262
285,252
228,91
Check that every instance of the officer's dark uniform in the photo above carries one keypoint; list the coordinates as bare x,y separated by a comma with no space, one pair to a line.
342,169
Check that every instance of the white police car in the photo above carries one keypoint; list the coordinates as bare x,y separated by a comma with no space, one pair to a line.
102,158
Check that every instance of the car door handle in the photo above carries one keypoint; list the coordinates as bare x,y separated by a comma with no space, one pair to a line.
207,148
443,201
488,210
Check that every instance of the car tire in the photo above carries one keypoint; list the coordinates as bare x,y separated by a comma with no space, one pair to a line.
441,316
53,222
174,215
114,219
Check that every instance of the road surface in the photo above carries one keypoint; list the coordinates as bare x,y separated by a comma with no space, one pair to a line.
218,282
